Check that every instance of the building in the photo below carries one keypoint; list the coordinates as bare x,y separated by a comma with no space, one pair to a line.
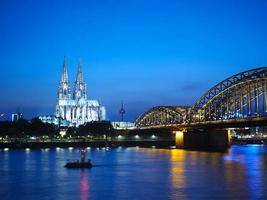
16,116
52,119
75,108
122,125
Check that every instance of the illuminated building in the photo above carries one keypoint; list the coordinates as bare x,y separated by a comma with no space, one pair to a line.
76,109
16,116
122,125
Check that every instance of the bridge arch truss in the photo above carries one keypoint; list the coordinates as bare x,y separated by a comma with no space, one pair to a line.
240,96
162,116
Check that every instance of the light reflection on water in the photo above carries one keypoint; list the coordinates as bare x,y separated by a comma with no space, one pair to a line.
135,173
84,185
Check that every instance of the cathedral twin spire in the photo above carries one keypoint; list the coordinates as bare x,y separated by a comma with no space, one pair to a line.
64,87
80,86
79,73
64,76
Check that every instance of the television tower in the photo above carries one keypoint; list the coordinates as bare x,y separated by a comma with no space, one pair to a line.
122,111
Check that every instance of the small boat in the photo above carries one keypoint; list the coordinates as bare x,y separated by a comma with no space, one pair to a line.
80,164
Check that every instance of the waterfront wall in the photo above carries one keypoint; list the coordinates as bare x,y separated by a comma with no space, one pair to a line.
192,139
158,144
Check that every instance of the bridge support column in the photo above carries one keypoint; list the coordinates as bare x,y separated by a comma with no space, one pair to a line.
203,139
179,139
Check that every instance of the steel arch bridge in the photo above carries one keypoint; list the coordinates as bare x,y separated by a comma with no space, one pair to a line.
241,96
162,115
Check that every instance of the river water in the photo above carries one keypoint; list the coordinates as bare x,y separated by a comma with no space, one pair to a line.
135,173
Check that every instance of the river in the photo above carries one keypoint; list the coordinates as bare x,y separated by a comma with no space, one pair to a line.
134,173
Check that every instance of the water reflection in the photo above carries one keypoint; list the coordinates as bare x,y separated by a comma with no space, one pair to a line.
177,168
255,167
177,173
84,194
136,173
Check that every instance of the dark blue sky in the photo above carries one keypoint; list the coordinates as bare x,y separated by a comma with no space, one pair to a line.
145,53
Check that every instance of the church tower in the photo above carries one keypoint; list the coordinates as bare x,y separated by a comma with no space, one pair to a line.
80,86
63,109
64,86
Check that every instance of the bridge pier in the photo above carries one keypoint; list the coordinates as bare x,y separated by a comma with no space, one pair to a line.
179,139
203,139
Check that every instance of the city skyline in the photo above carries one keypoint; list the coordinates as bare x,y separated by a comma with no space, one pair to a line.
165,53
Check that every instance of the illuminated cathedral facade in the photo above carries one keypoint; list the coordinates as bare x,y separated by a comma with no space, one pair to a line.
75,108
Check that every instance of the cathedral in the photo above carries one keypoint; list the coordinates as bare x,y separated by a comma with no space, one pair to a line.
76,109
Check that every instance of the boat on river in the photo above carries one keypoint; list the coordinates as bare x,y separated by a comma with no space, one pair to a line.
80,163
87,164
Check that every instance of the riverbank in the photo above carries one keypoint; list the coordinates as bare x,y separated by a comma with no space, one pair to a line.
248,141
94,144
166,144
160,144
